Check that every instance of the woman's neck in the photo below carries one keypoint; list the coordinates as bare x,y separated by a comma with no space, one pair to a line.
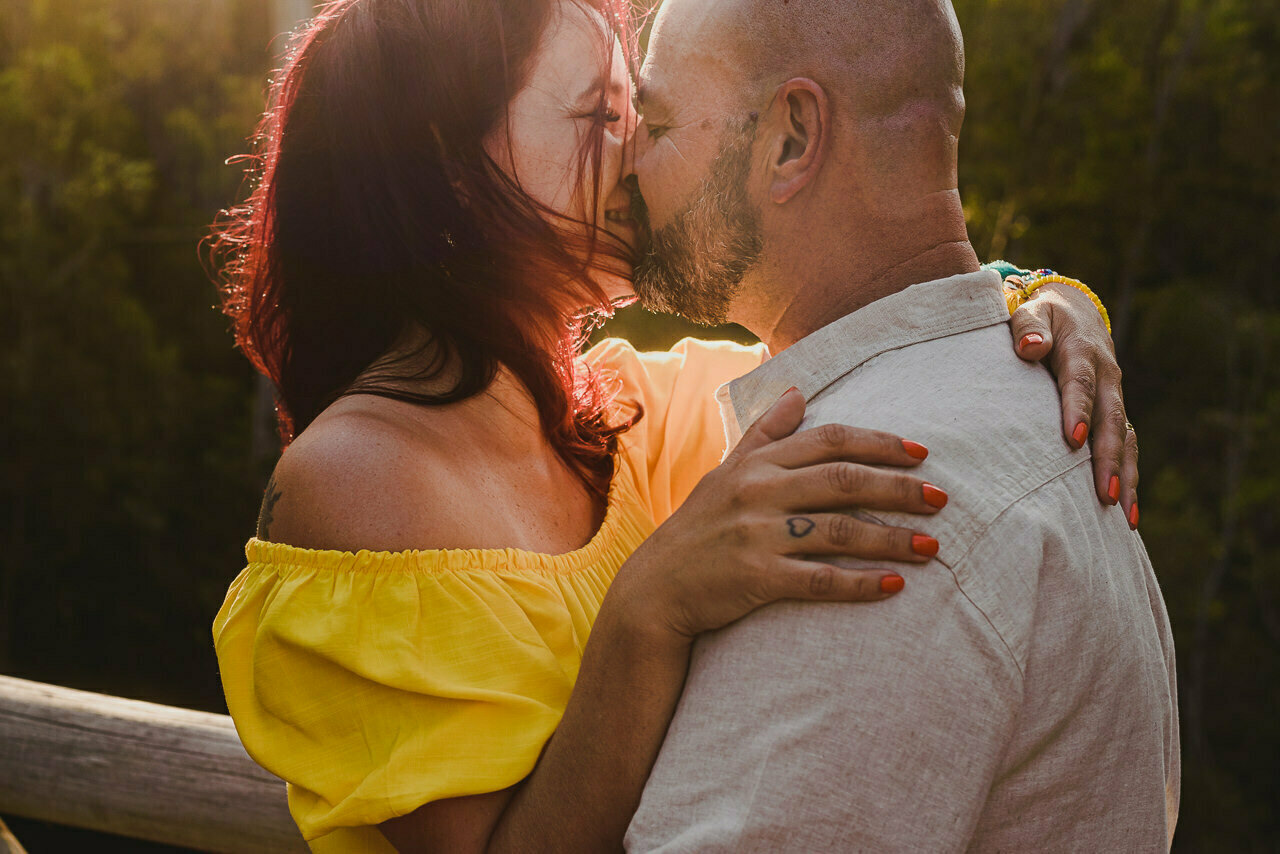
505,413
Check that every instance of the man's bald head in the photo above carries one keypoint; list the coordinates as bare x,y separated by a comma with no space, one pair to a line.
877,56
854,110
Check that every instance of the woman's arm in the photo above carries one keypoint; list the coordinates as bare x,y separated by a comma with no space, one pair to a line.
1061,326
734,546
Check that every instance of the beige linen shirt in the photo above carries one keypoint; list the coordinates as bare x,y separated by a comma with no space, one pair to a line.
1017,696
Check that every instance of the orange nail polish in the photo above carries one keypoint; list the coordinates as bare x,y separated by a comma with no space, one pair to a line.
1133,516
1030,339
934,497
1080,434
1113,488
892,584
922,545
915,449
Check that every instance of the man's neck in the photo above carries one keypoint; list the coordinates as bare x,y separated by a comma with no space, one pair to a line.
815,304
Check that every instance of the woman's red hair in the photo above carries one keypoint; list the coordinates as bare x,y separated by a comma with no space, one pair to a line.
375,212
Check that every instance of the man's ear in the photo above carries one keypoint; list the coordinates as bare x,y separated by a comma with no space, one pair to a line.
801,123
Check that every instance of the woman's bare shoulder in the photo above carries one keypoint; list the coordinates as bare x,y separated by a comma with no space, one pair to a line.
361,478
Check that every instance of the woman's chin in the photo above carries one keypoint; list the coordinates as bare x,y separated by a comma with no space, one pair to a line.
617,289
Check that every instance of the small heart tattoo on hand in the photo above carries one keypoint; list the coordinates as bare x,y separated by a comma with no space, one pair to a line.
800,526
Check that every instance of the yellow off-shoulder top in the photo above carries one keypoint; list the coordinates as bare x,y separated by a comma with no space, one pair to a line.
375,682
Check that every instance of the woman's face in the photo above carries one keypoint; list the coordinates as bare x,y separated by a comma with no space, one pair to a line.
551,119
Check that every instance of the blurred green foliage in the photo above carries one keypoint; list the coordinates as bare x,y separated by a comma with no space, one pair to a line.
127,480
1137,145
1131,144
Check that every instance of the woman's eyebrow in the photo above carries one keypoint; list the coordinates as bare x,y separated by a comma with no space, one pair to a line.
600,84
593,89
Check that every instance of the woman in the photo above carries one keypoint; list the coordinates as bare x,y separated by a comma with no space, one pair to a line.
465,500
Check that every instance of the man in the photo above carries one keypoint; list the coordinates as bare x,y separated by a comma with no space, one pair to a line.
1019,694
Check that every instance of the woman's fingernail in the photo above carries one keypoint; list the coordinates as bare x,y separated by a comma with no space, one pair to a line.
1133,516
892,583
922,545
1080,434
1030,339
1113,488
934,497
915,449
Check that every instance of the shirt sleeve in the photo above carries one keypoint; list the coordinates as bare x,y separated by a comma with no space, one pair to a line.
373,689
680,435
836,727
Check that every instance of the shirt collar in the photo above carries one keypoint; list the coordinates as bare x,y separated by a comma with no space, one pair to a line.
922,312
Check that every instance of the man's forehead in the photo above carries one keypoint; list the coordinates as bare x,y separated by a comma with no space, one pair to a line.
679,44
691,16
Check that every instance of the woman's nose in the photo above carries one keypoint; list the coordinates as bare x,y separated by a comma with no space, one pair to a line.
629,153
636,144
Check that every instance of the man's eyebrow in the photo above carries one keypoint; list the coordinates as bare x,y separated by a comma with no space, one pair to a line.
648,96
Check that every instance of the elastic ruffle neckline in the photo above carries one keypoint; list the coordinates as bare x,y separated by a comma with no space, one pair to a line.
621,531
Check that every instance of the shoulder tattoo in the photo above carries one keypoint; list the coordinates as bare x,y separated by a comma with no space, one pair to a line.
269,499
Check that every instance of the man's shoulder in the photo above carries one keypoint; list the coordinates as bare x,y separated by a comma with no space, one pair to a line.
990,420
991,423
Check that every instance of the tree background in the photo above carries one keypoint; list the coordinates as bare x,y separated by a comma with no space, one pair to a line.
1134,145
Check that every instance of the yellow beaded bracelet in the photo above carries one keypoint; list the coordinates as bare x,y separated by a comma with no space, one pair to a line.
1018,290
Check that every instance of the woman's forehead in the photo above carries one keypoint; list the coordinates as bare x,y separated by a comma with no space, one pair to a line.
579,54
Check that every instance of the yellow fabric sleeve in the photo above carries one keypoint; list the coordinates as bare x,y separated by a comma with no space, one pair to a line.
376,682
680,437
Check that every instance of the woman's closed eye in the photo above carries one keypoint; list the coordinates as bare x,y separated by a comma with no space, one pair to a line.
605,115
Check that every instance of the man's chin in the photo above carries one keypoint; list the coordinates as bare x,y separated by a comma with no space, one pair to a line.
650,292
659,301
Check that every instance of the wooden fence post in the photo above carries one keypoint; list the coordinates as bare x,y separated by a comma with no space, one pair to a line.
137,769
9,843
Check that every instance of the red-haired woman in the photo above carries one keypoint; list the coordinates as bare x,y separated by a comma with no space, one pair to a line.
465,499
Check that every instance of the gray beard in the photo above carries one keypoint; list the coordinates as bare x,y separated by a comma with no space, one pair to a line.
695,264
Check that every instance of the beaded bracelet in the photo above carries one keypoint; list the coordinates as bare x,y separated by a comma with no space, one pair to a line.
1018,290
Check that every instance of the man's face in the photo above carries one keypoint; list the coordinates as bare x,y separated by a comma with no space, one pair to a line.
693,165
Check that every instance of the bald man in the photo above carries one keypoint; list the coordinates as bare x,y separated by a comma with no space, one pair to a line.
1019,694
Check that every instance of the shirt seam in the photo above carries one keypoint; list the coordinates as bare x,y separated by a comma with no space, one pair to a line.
931,333
954,565
801,362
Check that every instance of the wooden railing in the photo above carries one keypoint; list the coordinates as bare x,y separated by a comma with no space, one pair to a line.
137,769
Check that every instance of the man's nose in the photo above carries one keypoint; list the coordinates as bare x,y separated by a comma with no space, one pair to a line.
629,146
637,148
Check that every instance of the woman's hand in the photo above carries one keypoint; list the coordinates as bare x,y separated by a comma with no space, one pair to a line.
1061,323
755,530
758,527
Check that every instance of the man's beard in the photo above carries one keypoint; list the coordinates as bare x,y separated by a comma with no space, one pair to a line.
695,264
